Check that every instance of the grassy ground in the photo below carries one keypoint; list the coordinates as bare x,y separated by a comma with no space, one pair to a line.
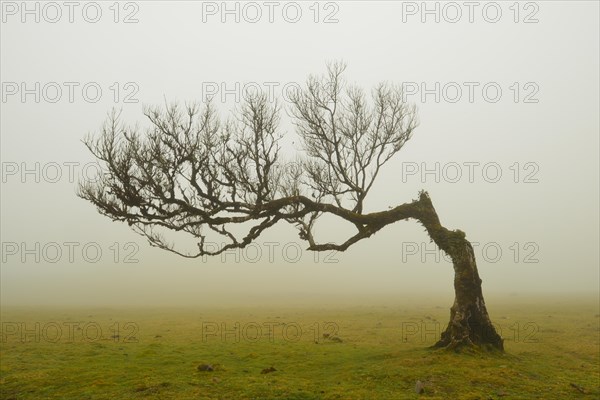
552,352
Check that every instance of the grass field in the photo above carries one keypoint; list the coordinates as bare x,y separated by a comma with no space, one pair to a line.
325,352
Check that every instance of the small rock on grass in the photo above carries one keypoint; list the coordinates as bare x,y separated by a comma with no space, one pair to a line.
419,387
580,389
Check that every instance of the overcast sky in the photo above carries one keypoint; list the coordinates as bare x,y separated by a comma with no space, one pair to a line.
508,98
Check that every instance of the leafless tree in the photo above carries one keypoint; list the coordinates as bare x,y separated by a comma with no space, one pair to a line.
193,172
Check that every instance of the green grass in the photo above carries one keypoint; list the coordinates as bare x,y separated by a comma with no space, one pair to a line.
549,347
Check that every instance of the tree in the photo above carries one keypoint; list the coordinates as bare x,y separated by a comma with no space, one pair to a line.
191,172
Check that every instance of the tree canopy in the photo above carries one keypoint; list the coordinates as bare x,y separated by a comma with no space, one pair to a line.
193,171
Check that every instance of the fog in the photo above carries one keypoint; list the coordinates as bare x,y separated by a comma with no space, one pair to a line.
507,146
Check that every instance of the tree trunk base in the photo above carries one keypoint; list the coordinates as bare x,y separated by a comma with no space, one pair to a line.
470,327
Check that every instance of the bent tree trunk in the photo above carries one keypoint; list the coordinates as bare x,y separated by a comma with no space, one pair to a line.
470,324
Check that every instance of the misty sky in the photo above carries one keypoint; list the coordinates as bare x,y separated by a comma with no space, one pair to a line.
507,146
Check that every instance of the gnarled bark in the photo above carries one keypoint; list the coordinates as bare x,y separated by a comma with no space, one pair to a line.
469,323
